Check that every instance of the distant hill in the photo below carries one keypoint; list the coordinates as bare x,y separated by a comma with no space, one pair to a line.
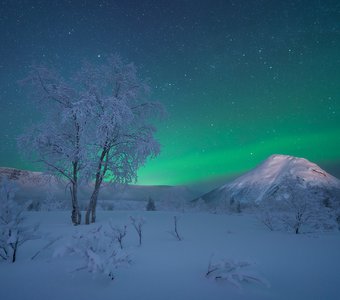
275,178
37,186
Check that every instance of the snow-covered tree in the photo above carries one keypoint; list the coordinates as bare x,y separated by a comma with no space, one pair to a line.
58,140
13,230
150,205
332,201
299,205
303,206
95,127
122,136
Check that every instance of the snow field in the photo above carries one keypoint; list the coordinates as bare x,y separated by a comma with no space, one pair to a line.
304,266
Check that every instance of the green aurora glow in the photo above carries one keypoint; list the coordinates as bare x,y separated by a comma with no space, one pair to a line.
241,80
212,165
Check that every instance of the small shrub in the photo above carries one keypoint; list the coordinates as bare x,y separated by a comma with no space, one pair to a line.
119,234
14,232
137,223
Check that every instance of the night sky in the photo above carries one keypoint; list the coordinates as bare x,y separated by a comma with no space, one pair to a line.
241,80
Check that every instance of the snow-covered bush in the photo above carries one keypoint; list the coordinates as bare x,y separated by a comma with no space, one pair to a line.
267,218
98,250
13,230
268,214
137,223
234,272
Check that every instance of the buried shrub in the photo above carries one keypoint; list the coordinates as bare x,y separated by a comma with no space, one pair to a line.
97,250
234,272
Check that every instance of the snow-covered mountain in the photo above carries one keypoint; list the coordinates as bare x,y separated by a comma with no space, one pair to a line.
276,177
24,177
38,186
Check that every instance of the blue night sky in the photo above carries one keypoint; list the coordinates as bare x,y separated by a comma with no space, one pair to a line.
241,80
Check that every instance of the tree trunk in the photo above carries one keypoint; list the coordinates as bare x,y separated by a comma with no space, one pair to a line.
76,215
91,209
15,249
88,212
94,206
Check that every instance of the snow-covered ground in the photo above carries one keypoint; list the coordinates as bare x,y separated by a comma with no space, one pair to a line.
304,266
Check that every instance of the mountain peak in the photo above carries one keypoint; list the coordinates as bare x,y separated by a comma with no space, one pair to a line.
268,177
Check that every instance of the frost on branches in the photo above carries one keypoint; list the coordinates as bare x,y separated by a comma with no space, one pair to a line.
13,230
98,251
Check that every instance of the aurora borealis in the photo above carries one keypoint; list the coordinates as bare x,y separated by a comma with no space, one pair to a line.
241,80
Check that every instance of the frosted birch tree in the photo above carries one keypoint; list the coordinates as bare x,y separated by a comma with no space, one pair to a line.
96,126
122,136
58,141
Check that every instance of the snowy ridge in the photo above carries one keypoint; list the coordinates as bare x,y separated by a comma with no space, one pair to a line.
266,179
24,177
